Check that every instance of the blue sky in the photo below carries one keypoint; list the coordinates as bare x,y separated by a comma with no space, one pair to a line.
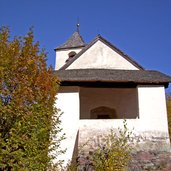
140,28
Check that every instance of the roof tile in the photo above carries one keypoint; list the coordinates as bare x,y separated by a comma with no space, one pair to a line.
113,76
73,42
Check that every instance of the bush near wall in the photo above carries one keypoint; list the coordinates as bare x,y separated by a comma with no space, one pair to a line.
113,153
28,91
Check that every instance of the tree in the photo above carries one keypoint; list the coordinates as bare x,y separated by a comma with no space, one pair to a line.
28,89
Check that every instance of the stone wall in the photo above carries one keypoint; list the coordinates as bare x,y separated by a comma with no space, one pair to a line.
140,161
95,130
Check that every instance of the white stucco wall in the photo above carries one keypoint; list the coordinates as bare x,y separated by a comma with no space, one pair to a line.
152,108
123,100
68,103
62,56
93,131
100,55
150,130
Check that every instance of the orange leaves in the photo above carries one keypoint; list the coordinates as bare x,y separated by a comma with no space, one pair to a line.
24,67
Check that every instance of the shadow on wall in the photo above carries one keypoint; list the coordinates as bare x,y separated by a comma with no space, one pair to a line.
75,152
108,103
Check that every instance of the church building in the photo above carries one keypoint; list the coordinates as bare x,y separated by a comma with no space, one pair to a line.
100,87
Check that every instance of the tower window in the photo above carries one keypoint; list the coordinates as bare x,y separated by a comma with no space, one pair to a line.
71,54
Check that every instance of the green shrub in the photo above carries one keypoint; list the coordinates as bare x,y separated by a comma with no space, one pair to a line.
115,152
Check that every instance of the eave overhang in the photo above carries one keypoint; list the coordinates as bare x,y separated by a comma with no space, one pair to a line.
112,78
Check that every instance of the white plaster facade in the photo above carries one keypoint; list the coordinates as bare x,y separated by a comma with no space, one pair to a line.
152,108
62,56
149,121
101,56
68,103
143,106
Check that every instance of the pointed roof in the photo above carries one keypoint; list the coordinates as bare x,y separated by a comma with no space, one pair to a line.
74,41
99,37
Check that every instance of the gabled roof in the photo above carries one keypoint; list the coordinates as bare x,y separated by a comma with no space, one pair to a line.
108,44
73,42
77,76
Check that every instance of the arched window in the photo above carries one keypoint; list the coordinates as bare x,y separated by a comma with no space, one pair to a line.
103,112
71,54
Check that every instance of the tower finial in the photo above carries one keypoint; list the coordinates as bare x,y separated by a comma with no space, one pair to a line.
78,25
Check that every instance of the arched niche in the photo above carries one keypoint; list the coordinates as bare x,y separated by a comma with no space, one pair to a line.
103,112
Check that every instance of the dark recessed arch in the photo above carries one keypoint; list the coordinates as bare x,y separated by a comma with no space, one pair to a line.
72,54
103,112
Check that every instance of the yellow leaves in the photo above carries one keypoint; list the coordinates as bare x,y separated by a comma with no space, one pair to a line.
4,34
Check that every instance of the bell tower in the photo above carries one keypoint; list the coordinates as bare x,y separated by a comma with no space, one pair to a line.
69,49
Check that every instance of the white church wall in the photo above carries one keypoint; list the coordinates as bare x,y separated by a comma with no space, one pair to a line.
123,100
100,55
62,56
94,130
68,103
152,108
150,129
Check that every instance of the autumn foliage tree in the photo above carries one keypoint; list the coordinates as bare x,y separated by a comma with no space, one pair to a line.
28,91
